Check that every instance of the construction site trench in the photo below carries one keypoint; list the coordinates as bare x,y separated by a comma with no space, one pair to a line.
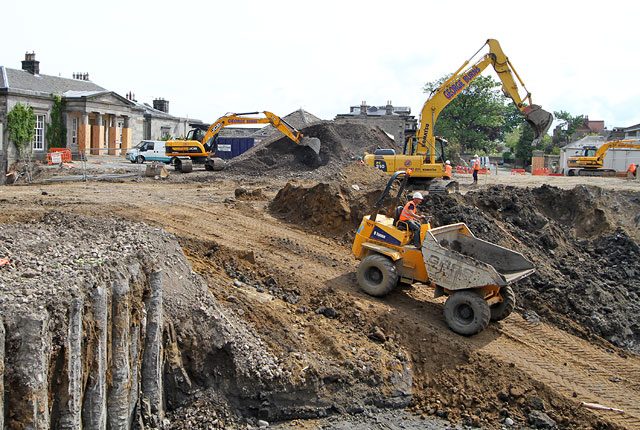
229,300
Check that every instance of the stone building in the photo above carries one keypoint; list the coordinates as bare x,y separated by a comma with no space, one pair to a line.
396,121
98,121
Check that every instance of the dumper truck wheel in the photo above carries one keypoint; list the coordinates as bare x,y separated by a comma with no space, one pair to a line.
466,313
501,310
377,275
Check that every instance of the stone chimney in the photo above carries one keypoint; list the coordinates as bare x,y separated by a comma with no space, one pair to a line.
161,105
363,107
389,108
30,64
81,76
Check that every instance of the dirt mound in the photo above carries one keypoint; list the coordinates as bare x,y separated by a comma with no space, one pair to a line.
341,144
334,207
587,278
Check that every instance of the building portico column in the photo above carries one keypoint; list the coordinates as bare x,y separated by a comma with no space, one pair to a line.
126,136
114,135
97,135
84,135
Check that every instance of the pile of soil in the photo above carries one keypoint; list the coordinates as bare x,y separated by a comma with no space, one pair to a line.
587,278
334,207
341,144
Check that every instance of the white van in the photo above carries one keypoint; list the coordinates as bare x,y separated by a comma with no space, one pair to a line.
148,150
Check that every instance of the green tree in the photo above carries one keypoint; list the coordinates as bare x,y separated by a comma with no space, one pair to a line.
21,123
57,129
568,126
478,117
524,150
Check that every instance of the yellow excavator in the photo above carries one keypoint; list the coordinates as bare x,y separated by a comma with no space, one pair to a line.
592,161
200,145
425,155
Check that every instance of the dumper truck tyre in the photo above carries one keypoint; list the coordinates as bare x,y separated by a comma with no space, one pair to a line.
467,313
501,310
377,275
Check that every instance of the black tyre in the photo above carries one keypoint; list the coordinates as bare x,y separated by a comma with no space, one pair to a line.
134,161
377,275
177,164
139,159
501,310
466,313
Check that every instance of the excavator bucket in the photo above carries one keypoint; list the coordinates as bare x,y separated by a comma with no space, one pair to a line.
540,120
311,142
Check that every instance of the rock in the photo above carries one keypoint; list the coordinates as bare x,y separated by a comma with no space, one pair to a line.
535,403
376,334
327,311
508,421
516,392
540,420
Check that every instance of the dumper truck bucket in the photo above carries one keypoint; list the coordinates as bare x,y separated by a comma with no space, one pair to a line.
311,142
455,259
540,120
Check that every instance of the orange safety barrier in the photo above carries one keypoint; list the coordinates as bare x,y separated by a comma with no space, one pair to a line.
542,171
518,172
463,170
65,155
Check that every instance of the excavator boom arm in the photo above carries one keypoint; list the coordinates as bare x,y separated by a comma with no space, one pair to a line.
269,118
539,119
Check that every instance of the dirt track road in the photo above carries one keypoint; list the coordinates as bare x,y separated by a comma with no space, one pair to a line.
564,369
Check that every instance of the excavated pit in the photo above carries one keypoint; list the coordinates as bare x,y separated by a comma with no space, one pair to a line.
105,325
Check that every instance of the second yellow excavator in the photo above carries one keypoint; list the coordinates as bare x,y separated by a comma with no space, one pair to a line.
425,155
592,161
200,146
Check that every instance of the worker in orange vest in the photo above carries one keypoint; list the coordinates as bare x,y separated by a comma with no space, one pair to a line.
476,167
410,216
448,169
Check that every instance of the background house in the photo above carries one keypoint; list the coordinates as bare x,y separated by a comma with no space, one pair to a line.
396,121
98,121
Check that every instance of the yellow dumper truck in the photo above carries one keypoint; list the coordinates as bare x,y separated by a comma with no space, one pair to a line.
473,273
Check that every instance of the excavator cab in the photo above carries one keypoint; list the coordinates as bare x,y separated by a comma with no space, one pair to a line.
539,119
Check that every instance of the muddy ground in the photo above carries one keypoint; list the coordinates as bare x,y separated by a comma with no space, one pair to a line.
271,238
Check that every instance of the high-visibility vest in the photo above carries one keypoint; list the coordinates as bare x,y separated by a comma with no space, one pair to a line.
476,164
448,169
405,215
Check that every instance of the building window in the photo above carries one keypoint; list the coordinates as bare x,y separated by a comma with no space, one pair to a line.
74,130
38,137
164,132
120,127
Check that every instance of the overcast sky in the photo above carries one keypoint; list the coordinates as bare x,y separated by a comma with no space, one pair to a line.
211,57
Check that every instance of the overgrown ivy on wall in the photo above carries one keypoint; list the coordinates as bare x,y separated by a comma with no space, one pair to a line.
57,129
21,123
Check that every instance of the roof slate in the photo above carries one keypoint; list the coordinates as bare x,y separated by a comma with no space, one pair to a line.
23,80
